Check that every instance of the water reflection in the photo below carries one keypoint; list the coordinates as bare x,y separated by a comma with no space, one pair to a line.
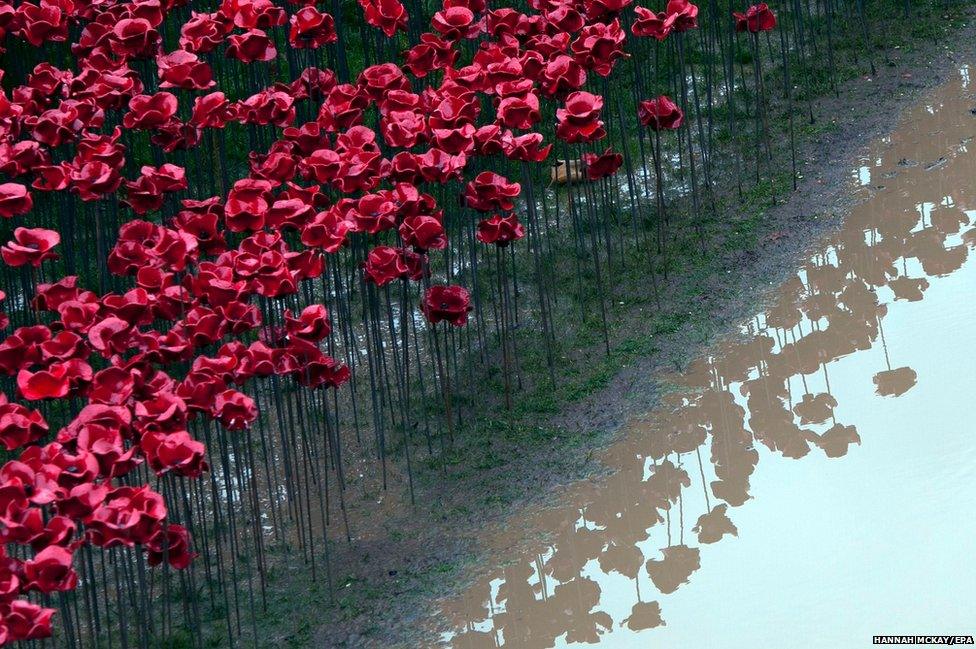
618,551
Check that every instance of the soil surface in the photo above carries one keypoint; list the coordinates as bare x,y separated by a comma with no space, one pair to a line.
417,555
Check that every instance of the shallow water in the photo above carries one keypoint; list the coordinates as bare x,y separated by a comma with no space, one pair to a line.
810,482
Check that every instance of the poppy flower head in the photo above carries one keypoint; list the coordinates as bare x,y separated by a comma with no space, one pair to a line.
579,118
683,15
447,304
650,24
311,28
171,545
30,246
602,165
384,264
757,18
389,16
500,230
14,200
490,191
660,114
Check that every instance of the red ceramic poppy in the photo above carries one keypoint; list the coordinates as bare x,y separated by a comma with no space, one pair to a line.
30,246
500,230
447,304
490,191
603,165
758,18
660,114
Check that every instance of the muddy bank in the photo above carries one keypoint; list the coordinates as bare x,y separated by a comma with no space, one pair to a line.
391,573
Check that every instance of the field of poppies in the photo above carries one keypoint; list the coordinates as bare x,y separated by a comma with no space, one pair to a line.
244,241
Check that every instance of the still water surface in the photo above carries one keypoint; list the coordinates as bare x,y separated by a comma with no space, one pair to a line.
809,484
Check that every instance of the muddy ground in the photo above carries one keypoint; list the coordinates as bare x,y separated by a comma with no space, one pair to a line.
387,581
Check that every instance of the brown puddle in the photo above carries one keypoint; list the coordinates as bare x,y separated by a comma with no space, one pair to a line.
854,390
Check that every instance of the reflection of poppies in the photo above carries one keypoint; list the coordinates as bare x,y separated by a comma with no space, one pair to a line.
894,383
644,615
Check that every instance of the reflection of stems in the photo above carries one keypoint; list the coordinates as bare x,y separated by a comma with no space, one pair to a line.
701,469
884,343
681,509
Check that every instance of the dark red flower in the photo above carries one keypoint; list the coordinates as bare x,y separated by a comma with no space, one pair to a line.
423,233
26,621
660,114
134,37
564,18
311,324
519,111
203,32
603,165
374,213
253,45
19,426
235,410
171,545
174,452
150,111
211,111
311,28
758,18
92,180
129,515
578,120
248,14
377,81
46,22
183,69
384,264
83,499
447,303
500,230
403,128
648,23
599,46
432,53
454,23
53,382
50,570
682,14
489,192
14,200
527,147
30,246
561,75
327,230
247,205
387,15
